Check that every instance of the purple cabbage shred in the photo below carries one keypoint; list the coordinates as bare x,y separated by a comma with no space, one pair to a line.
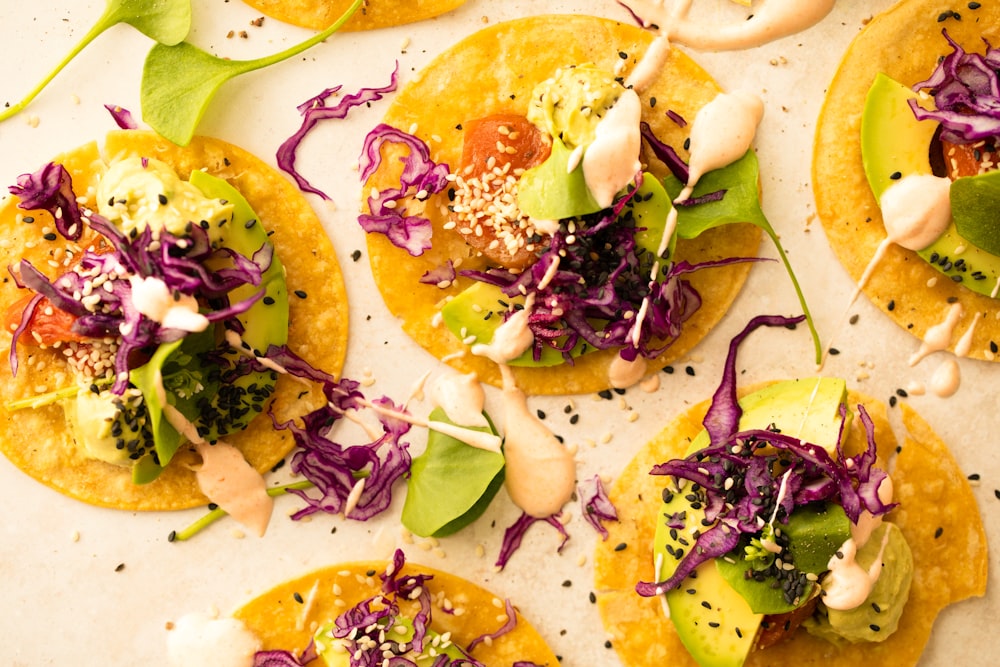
515,533
315,110
336,469
420,178
597,506
51,189
966,94
122,117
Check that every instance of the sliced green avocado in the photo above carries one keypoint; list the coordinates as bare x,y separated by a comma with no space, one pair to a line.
553,191
479,309
808,409
894,145
715,622
450,483
333,653
265,323
815,533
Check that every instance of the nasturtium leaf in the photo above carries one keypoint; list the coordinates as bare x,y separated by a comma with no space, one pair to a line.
180,80
975,201
451,483
741,203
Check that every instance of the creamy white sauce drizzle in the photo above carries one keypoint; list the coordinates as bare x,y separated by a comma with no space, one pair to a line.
462,398
230,482
939,336
540,472
848,585
611,161
198,640
861,532
478,439
946,378
152,298
511,338
916,210
721,133
772,20
624,374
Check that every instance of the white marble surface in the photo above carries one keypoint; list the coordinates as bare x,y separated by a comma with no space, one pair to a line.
88,586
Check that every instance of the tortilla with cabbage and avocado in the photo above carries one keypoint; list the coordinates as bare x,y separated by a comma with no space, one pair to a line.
492,75
373,14
935,512
914,290
460,611
303,273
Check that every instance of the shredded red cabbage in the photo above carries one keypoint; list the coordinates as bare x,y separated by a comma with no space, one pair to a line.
122,117
180,262
51,189
741,486
285,658
515,533
421,178
442,274
334,468
665,153
596,504
966,93
315,110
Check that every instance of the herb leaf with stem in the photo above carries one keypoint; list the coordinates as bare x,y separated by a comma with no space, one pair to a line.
179,81
166,21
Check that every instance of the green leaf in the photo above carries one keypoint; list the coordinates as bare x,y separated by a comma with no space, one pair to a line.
741,203
550,191
179,81
974,202
450,484
166,439
166,21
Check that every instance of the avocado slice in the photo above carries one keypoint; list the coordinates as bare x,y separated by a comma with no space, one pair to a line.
894,145
265,323
479,309
715,622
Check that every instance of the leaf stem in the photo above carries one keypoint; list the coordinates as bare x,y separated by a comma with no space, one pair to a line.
214,515
105,22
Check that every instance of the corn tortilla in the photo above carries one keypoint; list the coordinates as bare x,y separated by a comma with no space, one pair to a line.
931,491
494,71
373,14
38,440
904,286
276,617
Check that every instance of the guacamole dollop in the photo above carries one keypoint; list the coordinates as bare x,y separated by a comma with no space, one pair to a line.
878,616
570,104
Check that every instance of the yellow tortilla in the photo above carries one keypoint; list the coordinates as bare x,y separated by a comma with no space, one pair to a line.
276,617
494,71
844,202
931,491
320,14
38,441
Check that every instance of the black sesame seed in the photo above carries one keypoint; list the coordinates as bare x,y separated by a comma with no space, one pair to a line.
706,604
739,633
268,300
623,55
119,567
895,175
540,413
974,477
162,199
878,609
605,394
652,102
892,401
689,370
621,546
974,5
301,293
298,597
567,583
901,393
607,644
28,219
356,255
172,537
574,419
874,627
592,597
854,319
713,624
51,236
938,532
892,305
834,351
669,370
994,348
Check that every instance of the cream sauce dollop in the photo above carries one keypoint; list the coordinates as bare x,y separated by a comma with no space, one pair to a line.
198,640
540,472
511,338
462,398
611,162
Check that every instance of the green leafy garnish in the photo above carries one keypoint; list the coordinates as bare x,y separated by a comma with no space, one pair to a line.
741,203
973,206
179,81
450,484
166,21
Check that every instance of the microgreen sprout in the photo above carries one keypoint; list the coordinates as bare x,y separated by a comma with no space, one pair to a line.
166,21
